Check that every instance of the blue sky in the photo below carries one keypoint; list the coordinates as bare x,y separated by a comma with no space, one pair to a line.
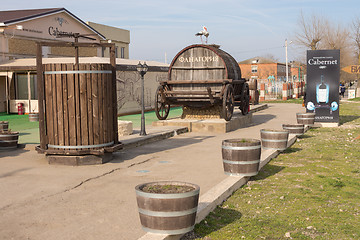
244,29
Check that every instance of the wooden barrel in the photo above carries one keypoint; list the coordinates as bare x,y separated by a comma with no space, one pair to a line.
9,140
167,213
4,126
79,106
297,129
252,84
33,117
305,118
274,139
209,66
241,157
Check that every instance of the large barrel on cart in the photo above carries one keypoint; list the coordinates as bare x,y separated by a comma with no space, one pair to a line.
202,76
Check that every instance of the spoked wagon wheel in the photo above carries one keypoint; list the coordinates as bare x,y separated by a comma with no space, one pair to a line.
245,99
161,107
228,103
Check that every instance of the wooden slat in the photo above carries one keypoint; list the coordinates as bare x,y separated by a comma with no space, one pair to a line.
65,105
222,81
83,107
49,110
60,107
71,106
110,103
107,116
55,139
41,97
77,107
190,93
114,131
89,92
97,113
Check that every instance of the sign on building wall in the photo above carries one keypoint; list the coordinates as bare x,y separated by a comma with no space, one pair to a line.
322,84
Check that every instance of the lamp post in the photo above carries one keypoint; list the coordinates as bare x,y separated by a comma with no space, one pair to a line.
142,69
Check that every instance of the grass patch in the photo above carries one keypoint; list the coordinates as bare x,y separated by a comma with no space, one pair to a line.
150,117
355,99
294,100
310,191
18,122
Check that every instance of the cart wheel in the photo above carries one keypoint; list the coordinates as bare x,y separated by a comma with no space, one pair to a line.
228,102
161,107
245,100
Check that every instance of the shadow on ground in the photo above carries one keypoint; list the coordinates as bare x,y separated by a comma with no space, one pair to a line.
267,171
213,223
347,118
261,118
159,146
13,152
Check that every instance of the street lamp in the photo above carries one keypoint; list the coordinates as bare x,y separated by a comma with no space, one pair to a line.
142,69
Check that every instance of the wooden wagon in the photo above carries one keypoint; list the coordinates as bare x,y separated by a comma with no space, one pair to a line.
201,76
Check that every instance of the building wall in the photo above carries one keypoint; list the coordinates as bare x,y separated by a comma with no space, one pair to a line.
20,43
129,90
264,70
2,94
121,37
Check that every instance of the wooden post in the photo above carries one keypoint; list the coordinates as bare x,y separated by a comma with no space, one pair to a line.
40,83
114,95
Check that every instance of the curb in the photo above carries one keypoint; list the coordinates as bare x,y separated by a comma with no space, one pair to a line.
139,141
220,192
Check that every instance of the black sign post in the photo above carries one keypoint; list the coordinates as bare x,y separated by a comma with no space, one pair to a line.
322,84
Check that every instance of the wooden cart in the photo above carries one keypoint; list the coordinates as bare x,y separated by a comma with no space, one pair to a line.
201,76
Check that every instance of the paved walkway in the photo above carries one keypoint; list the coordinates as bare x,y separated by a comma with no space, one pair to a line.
42,201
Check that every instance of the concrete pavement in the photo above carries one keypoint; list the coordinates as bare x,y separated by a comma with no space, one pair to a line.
42,201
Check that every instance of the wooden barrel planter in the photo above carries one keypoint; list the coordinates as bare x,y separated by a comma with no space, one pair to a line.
305,118
241,157
274,139
4,126
33,117
80,110
167,207
297,129
8,140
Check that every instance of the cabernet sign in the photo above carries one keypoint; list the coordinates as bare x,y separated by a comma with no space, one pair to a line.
322,84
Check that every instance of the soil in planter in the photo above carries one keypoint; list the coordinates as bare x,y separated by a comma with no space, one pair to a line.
167,188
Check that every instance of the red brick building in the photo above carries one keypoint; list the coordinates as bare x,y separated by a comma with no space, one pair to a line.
263,69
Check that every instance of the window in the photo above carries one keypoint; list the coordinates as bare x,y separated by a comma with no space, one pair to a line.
22,91
122,53
254,68
116,52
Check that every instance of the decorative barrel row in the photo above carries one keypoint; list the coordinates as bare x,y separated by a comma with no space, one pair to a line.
305,118
79,106
9,140
274,139
297,129
167,213
4,126
241,157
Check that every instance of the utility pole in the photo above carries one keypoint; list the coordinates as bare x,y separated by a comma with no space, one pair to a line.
286,63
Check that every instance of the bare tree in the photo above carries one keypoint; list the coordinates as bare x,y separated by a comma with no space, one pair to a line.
355,27
335,37
311,31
